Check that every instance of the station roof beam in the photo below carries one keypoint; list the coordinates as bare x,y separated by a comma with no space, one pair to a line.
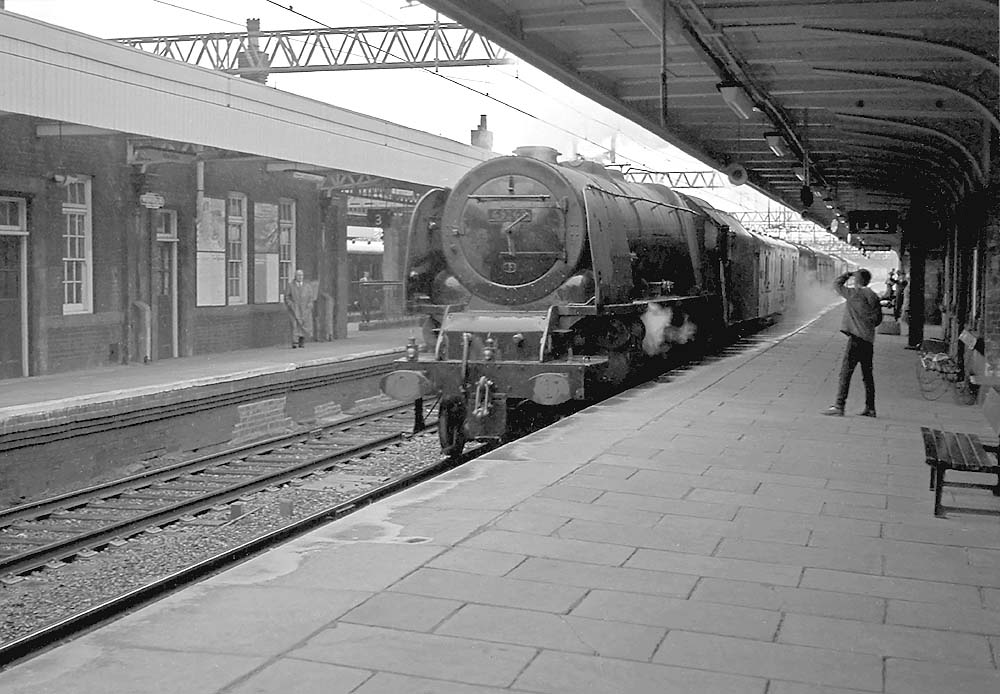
827,78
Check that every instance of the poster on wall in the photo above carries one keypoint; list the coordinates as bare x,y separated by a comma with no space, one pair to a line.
265,227
265,278
265,252
212,225
211,269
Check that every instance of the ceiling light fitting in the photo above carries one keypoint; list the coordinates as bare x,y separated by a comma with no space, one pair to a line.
777,144
736,98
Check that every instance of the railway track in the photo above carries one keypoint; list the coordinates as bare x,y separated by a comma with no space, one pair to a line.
48,532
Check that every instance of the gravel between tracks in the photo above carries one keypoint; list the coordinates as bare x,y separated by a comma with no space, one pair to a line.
47,596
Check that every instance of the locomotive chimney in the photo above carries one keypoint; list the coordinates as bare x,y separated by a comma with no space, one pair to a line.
481,137
546,154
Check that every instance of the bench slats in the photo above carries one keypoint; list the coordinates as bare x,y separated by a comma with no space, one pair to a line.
947,450
963,452
966,453
979,459
930,445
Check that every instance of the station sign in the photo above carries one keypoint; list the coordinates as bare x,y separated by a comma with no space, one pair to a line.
873,221
152,201
379,217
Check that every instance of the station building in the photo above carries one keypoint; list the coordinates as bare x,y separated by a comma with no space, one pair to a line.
171,228
118,261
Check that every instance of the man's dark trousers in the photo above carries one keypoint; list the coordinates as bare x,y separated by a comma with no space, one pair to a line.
858,352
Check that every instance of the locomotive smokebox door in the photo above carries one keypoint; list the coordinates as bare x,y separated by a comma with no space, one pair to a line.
489,422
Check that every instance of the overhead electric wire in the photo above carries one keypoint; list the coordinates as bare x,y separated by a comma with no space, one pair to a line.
203,14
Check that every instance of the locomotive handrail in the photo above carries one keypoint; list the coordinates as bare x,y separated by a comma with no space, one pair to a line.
549,318
541,197
635,198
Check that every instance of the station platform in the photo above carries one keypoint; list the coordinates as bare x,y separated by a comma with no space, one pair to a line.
50,394
710,533
69,430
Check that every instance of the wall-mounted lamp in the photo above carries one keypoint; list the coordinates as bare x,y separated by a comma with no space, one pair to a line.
777,144
736,99
65,179
306,176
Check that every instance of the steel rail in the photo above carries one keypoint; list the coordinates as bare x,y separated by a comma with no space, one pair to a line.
43,507
57,551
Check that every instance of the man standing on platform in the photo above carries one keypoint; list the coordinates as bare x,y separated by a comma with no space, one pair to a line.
364,297
299,299
862,314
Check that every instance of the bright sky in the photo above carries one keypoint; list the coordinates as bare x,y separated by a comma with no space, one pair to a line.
546,113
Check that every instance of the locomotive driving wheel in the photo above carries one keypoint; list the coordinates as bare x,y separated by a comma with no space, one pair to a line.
451,419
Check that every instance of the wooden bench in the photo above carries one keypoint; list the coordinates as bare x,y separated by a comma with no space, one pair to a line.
948,450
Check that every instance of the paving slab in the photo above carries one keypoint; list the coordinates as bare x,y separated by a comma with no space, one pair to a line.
566,573
780,553
387,683
560,673
86,667
916,677
947,617
569,633
886,640
717,567
772,660
490,590
890,587
675,613
422,655
308,678
402,611
789,600
232,620
476,561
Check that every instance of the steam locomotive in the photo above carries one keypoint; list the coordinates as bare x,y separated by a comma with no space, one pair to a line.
546,282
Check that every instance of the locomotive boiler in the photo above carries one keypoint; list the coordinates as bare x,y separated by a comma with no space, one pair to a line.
546,282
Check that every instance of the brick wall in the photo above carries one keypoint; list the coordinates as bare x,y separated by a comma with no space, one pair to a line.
991,303
28,165
78,342
224,328
123,245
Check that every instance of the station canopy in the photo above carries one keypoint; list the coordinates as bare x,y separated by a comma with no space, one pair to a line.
851,112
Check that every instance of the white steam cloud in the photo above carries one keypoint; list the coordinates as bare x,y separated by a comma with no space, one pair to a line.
661,334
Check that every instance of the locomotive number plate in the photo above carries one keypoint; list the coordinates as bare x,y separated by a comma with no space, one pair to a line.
509,214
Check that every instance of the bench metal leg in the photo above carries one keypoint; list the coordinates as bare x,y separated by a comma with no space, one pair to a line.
939,485
933,472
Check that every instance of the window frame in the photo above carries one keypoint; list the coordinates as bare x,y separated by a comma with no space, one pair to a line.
84,211
243,222
292,225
